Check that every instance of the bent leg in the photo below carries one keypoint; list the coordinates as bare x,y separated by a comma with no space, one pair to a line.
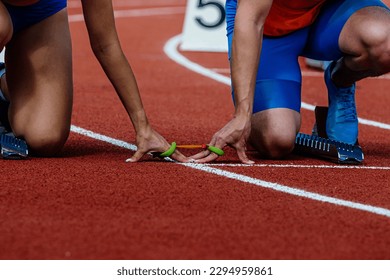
39,78
356,34
277,101
365,41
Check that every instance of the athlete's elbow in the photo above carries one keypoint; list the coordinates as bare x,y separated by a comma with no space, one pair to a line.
102,49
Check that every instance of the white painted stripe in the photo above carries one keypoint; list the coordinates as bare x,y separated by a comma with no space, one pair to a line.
242,178
318,74
136,13
321,75
171,51
103,138
289,190
374,123
300,166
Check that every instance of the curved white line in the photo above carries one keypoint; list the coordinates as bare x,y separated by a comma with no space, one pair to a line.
171,51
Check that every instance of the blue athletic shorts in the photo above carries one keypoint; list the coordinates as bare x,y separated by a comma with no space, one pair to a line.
25,16
278,83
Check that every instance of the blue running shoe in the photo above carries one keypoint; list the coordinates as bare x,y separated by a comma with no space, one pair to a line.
342,121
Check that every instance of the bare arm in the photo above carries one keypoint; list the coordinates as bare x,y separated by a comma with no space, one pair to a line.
246,48
105,44
100,22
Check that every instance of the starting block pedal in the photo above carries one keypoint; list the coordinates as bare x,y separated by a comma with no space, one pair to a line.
329,149
12,147
319,145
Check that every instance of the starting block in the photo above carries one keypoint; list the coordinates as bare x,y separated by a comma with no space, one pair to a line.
329,149
12,147
318,144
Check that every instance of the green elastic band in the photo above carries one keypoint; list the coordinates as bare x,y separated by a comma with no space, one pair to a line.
215,150
170,151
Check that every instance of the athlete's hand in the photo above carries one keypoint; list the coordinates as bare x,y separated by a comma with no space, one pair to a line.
149,141
235,134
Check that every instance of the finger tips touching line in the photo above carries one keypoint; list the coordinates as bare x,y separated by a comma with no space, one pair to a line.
136,157
209,158
131,160
179,157
200,155
244,158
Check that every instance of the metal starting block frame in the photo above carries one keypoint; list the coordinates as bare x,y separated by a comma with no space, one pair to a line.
319,145
12,147
335,151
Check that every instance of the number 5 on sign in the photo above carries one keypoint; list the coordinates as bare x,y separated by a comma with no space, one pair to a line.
204,26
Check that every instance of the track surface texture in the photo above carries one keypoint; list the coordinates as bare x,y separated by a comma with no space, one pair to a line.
89,204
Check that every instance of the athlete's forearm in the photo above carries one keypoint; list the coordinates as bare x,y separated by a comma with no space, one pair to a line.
119,72
246,48
244,61
107,49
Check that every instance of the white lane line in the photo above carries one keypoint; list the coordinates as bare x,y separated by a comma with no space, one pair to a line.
171,51
136,13
300,166
306,73
246,179
290,190
103,138
132,147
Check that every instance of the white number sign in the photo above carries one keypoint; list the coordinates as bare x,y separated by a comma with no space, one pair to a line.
204,26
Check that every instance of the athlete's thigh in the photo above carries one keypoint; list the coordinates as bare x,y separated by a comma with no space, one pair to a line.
278,80
39,76
324,35
366,29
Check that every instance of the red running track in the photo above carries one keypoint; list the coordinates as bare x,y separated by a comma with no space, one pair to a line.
89,204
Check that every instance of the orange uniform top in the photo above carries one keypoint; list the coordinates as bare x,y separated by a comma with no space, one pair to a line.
287,16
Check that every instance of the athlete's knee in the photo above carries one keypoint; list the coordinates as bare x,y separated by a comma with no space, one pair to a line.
376,42
45,142
275,145
279,146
